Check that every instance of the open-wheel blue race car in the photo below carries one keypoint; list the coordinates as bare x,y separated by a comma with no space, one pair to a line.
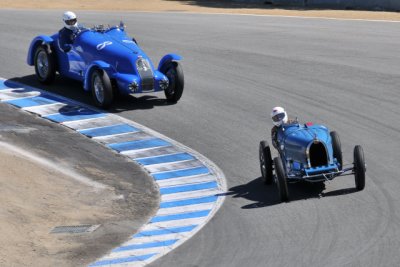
308,152
108,62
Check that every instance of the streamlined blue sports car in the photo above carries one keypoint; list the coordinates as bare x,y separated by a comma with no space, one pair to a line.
308,152
108,62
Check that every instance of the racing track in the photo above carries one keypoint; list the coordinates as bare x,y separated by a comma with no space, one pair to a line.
344,74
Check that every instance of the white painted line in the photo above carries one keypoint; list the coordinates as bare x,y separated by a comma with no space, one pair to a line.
153,152
135,252
4,96
66,122
185,180
127,152
192,194
182,209
156,238
45,110
93,123
124,137
173,166
176,223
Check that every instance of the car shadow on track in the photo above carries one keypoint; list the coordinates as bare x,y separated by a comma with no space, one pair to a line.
73,90
264,195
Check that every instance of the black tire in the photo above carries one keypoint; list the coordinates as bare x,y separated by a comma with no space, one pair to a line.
174,73
101,88
281,180
45,67
265,162
359,168
337,148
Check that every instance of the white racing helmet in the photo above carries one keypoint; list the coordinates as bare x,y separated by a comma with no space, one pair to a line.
279,116
70,20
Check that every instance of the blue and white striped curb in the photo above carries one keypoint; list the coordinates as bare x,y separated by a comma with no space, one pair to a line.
191,186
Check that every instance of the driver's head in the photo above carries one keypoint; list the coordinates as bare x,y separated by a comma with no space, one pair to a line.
279,116
70,20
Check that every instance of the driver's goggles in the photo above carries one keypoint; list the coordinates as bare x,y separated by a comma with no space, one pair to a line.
71,22
278,117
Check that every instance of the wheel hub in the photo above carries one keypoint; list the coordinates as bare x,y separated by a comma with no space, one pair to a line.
98,88
171,77
43,64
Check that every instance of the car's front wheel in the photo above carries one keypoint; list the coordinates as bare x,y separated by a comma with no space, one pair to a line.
281,180
265,162
101,88
174,73
45,67
337,148
359,168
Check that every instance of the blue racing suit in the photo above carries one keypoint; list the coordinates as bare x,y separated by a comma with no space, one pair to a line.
66,38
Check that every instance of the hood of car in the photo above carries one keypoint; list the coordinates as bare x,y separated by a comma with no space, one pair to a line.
112,46
298,137
302,135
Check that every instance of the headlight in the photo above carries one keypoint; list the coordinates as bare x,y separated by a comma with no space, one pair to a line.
164,83
142,65
134,86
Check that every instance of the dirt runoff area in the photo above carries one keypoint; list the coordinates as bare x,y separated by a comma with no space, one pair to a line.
35,198
203,6
51,176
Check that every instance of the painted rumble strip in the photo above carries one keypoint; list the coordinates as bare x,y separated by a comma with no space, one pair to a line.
191,186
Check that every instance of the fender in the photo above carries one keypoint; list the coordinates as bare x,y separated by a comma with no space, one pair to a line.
98,64
39,40
166,59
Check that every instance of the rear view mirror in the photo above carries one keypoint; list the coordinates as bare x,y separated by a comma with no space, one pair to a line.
122,25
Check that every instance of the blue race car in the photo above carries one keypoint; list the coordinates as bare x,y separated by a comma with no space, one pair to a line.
108,62
308,152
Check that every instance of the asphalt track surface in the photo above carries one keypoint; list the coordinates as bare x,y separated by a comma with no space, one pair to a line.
344,74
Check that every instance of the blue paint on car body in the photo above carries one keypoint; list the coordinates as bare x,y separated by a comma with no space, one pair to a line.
109,49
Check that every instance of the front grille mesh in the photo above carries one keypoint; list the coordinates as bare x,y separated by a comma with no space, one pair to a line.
318,155
146,74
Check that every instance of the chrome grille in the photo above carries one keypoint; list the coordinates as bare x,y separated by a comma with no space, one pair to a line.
146,74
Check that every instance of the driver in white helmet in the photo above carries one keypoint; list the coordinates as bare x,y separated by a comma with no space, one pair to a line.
279,117
66,35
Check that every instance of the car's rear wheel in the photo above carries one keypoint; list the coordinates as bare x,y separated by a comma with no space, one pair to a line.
359,168
281,180
174,73
265,162
337,148
45,68
102,92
